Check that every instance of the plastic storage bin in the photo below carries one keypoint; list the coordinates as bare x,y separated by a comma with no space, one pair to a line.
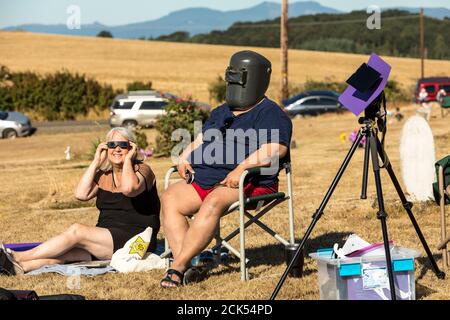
365,278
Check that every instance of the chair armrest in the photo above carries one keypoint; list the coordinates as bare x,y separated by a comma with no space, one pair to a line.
257,170
169,172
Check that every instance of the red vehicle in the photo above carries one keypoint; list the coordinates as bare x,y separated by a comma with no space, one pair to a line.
432,86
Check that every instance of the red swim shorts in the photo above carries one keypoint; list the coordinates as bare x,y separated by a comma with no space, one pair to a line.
249,190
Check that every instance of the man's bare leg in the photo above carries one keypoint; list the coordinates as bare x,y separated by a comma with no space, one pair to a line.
178,201
203,226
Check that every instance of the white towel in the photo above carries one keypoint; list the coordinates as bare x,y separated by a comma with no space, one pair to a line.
133,257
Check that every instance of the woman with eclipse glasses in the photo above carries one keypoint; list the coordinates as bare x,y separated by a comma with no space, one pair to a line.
126,197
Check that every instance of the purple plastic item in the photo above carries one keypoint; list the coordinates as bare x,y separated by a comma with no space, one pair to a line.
361,252
356,101
22,246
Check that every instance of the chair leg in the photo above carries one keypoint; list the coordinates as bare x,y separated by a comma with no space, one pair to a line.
242,242
218,244
445,257
290,204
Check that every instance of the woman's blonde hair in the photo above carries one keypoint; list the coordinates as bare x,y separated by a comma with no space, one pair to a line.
124,132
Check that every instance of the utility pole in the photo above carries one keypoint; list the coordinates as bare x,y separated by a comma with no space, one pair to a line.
284,50
422,44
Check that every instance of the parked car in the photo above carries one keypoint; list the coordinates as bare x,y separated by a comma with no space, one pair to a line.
142,108
137,108
15,124
313,103
432,87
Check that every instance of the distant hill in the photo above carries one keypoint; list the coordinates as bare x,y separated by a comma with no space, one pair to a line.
195,21
192,20
398,36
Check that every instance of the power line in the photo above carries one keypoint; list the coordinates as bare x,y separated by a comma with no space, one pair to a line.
295,24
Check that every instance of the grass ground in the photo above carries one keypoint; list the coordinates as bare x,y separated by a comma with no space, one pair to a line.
37,202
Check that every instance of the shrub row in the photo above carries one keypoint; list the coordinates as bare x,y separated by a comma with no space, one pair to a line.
58,96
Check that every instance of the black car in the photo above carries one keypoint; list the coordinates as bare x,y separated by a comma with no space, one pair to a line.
313,103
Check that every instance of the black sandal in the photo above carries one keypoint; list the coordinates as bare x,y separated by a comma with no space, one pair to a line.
169,279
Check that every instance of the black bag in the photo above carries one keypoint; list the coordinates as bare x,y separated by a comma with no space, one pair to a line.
62,297
32,295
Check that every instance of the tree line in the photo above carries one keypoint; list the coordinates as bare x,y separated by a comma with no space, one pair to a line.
398,35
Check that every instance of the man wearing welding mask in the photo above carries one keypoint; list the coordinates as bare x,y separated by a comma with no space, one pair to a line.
249,130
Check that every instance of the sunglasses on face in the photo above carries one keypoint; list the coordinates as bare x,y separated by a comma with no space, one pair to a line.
120,144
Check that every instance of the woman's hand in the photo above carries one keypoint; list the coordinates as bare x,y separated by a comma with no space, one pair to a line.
182,166
131,155
100,154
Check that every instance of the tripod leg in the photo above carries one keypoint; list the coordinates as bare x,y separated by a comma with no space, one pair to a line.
408,205
365,170
382,215
318,212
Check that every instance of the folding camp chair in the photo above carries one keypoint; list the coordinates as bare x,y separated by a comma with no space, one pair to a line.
442,197
445,106
263,203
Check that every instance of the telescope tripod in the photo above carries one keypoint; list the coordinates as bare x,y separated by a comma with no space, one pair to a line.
373,149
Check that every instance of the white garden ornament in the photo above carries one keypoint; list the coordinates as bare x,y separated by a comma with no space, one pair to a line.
417,157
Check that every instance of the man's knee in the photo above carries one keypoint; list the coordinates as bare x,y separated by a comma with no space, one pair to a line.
167,197
214,205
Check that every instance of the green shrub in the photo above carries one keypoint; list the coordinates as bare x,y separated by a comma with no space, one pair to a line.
178,36
94,146
58,96
139,85
394,93
105,34
217,90
180,114
141,138
326,84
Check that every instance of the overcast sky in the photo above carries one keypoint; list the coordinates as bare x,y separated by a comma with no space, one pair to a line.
116,12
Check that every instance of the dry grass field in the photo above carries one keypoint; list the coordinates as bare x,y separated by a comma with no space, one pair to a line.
37,202
36,194
180,68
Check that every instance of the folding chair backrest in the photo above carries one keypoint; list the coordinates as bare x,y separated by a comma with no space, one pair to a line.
445,164
445,102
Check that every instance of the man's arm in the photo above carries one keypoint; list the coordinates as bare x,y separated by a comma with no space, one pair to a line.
183,163
262,157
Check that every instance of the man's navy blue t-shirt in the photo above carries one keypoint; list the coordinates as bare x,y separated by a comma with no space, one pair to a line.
228,140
